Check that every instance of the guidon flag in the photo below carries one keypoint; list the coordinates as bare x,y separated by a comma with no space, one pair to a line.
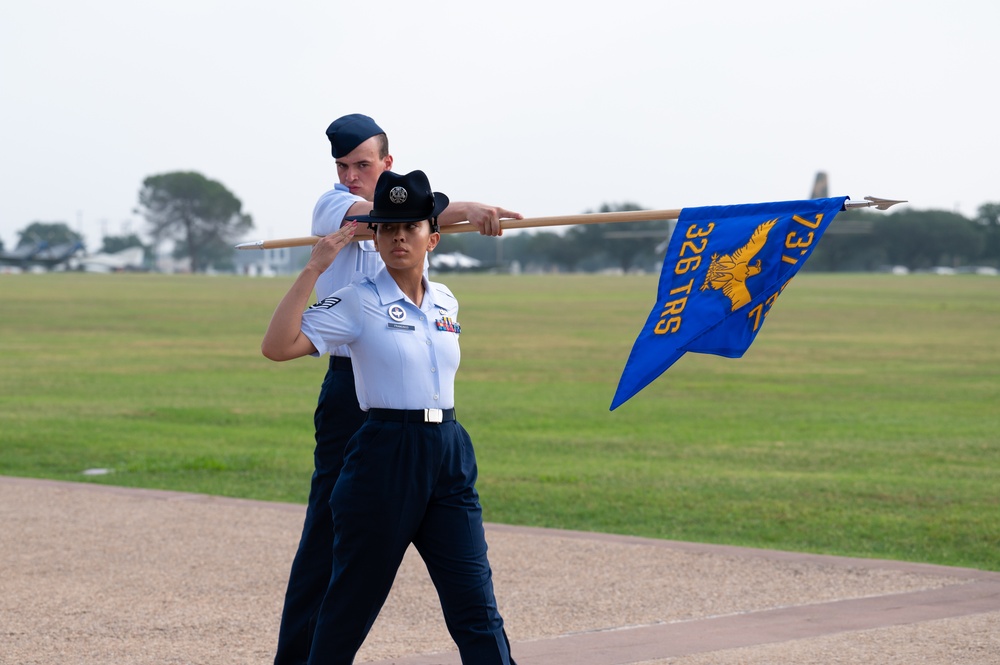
724,268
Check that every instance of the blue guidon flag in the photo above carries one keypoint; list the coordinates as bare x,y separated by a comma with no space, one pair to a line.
724,268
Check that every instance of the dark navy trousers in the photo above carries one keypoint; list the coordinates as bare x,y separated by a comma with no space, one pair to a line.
336,419
408,483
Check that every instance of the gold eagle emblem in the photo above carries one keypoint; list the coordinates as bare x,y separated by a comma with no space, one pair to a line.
729,272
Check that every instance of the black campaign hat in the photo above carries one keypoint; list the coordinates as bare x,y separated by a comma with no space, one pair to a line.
403,198
348,132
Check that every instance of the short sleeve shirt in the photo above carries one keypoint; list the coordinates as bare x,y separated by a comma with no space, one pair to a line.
405,357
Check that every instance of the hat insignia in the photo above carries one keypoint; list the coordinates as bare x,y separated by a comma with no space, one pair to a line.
398,195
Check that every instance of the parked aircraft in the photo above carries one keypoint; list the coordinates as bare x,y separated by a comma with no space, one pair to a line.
821,187
41,254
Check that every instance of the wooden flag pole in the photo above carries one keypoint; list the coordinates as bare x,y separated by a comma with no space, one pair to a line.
569,220
466,227
537,222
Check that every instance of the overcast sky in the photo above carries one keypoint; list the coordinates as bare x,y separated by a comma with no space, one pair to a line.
543,107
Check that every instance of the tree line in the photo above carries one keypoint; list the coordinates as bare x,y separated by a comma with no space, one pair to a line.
198,216
202,220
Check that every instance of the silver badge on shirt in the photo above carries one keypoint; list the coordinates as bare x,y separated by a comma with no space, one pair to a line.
397,313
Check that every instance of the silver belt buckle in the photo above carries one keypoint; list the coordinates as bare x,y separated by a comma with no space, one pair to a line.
433,416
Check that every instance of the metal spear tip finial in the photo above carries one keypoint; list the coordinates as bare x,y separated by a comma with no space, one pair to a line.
882,204
872,202
256,244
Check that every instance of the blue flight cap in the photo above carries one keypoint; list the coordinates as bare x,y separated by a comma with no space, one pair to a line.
348,132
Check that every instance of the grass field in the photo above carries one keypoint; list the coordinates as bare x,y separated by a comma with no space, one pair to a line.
864,420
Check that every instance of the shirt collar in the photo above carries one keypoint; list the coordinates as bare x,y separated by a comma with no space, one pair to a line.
389,291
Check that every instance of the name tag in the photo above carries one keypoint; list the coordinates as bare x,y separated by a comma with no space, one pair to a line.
400,326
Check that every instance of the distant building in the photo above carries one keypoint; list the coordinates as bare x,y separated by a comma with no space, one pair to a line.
270,262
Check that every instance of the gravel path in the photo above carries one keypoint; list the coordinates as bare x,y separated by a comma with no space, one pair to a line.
95,575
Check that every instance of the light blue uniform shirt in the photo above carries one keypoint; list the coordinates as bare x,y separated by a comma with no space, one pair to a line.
356,261
405,357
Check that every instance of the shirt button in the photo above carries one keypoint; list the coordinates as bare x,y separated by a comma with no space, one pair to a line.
428,342
423,318
435,397
433,369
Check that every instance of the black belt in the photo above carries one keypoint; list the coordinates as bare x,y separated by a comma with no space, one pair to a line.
414,416
340,364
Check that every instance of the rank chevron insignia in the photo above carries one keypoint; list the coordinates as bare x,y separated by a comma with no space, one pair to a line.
729,272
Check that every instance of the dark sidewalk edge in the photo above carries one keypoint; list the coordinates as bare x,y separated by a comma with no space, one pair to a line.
685,638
